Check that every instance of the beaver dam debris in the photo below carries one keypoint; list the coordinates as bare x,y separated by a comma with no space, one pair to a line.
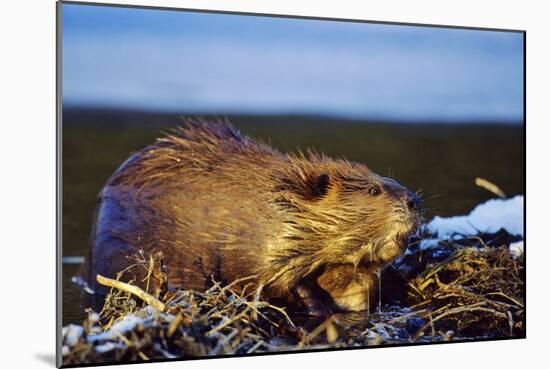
466,288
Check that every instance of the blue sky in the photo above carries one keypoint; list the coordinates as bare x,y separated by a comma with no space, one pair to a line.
195,62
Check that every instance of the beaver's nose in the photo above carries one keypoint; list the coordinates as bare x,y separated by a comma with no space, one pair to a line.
413,201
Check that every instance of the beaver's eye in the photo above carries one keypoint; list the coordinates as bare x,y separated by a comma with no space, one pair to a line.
375,191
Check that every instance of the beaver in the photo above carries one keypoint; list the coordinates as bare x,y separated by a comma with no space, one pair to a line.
221,206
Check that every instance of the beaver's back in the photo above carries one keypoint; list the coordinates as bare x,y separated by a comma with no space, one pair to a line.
201,197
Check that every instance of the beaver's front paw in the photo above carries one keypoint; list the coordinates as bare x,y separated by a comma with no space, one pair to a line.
313,304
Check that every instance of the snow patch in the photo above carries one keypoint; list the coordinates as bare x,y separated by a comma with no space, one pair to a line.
428,243
125,325
65,350
488,217
516,249
105,347
71,334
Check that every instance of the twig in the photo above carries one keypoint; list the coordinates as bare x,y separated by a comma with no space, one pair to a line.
134,290
489,186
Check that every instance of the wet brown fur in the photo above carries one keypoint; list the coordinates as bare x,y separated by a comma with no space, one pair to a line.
223,206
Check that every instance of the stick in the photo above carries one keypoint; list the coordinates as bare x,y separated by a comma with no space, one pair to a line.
134,290
489,186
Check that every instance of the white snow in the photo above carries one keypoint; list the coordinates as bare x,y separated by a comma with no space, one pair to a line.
516,249
488,217
125,325
105,347
428,243
65,350
72,333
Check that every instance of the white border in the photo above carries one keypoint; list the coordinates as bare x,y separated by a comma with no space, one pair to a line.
27,183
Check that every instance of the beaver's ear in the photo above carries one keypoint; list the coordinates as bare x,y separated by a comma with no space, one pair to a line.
309,186
320,185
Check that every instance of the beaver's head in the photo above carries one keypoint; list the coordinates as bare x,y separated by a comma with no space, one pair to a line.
342,212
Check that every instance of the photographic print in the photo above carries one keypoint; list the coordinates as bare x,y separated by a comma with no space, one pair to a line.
237,184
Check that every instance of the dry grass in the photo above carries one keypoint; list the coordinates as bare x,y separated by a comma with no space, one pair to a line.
476,292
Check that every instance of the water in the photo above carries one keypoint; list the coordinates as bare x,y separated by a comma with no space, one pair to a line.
441,160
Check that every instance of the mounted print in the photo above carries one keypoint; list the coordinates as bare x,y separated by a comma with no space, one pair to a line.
240,184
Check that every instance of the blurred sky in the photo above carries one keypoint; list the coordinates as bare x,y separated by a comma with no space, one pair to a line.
195,62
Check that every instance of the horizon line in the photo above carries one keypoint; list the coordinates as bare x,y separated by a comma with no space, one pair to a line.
288,113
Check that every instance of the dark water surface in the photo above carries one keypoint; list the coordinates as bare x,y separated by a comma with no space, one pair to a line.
443,160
